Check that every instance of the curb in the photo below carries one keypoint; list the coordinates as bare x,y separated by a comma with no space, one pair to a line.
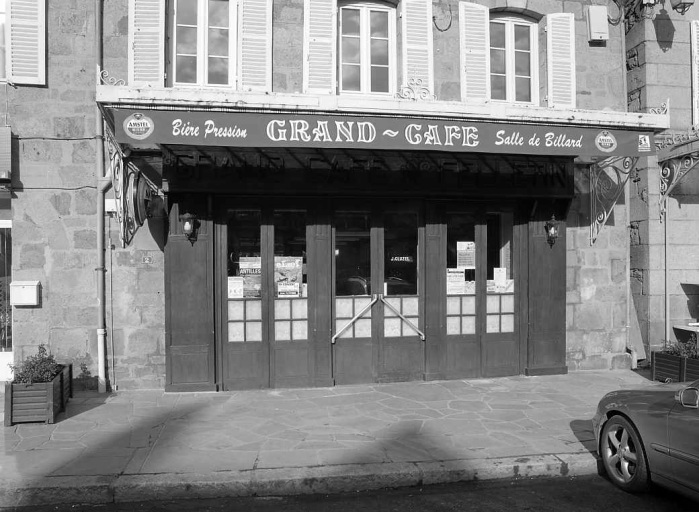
290,481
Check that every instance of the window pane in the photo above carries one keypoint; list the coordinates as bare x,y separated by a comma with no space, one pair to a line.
352,254
522,64
350,50
379,52
218,42
379,24
218,13
186,69
379,79
244,252
498,87
497,62
350,78
497,35
350,22
400,245
523,89
187,40
187,12
218,71
289,253
522,41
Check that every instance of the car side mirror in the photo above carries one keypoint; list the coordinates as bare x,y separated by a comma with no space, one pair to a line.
688,397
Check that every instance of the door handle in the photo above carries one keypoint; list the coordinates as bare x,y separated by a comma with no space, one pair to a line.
410,324
356,317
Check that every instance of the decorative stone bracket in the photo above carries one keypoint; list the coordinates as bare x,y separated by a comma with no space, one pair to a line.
415,89
607,181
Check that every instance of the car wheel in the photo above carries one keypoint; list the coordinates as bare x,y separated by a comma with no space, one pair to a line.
623,455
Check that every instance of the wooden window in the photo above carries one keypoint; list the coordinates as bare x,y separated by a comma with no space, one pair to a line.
146,48
499,57
23,47
203,42
417,43
367,45
513,64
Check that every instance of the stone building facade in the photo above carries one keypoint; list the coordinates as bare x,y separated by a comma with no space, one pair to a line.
56,177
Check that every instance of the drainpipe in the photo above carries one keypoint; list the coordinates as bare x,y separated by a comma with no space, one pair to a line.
103,184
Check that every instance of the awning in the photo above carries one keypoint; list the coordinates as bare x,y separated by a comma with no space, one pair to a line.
283,130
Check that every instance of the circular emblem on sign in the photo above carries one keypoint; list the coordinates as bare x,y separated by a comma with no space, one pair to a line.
138,126
605,141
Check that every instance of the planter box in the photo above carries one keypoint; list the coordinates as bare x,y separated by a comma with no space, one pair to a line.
38,402
671,368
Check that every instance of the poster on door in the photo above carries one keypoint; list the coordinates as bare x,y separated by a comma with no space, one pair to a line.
456,282
236,287
288,275
251,272
466,255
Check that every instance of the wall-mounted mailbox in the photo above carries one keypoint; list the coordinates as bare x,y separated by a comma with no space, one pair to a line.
597,24
25,293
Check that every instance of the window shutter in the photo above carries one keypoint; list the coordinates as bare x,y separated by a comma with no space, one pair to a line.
474,23
319,48
417,43
26,43
256,45
695,71
560,39
146,42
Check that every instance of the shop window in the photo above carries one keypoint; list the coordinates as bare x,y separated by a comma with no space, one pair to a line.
367,48
203,38
23,41
501,58
5,279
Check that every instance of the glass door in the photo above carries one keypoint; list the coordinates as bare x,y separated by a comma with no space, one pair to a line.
265,341
376,309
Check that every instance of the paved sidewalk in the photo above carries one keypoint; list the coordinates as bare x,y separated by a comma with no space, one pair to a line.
143,445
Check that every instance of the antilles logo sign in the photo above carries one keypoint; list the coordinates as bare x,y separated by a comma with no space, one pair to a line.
138,126
605,141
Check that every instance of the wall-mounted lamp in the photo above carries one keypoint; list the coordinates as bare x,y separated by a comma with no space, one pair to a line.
551,229
681,6
190,227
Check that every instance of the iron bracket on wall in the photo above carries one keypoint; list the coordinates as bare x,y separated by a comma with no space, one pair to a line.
608,179
671,172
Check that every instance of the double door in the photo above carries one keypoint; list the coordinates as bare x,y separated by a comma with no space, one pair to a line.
364,292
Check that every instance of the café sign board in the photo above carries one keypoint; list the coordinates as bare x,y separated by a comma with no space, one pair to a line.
267,130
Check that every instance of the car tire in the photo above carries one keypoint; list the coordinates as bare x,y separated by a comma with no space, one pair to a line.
623,455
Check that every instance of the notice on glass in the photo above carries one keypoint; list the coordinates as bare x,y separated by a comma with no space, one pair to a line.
288,275
500,276
456,283
236,286
251,272
466,255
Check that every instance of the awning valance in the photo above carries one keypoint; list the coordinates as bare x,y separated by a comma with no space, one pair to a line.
283,130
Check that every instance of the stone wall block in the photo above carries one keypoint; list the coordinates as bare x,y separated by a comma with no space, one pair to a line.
69,127
145,342
40,151
61,202
74,175
85,239
592,316
86,202
621,362
69,343
32,256
58,238
83,153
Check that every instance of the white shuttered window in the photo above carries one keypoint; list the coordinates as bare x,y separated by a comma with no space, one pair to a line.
417,43
146,42
319,47
24,55
560,53
694,41
475,60
256,45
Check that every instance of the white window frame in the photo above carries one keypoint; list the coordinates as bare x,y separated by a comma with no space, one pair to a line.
365,48
202,47
4,40
510,22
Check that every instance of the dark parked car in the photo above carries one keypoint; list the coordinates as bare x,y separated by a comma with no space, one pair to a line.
651,435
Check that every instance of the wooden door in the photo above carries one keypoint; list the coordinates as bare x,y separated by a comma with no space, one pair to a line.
378,290
189,297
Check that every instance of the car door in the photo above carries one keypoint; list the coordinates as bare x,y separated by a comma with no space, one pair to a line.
683,433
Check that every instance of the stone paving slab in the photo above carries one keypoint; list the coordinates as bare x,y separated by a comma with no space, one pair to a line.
142,445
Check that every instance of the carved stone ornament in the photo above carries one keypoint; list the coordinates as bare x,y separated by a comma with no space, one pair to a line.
607,181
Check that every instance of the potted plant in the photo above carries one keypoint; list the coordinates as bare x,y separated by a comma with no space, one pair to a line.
39,390
678,362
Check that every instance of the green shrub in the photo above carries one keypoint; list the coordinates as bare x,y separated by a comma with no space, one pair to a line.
39,368
687,349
